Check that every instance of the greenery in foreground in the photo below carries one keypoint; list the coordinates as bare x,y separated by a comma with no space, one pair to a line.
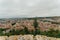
51,33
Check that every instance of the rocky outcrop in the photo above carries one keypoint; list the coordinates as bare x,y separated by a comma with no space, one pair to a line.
27,37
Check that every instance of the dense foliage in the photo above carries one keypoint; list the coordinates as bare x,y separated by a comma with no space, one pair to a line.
51,33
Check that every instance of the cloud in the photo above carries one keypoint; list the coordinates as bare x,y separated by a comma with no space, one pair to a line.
13,8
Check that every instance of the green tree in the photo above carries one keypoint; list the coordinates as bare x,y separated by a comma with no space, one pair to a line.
35,25
26,30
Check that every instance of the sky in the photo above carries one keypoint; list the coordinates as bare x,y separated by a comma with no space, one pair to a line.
29,8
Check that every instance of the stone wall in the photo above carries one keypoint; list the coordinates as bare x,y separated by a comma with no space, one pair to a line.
27,37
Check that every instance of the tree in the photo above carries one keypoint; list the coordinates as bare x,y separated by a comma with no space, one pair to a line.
35,25
26,30
38,32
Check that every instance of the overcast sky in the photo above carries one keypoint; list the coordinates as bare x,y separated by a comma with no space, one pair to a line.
18,8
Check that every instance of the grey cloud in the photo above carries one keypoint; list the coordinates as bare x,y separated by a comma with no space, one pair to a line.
13,8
